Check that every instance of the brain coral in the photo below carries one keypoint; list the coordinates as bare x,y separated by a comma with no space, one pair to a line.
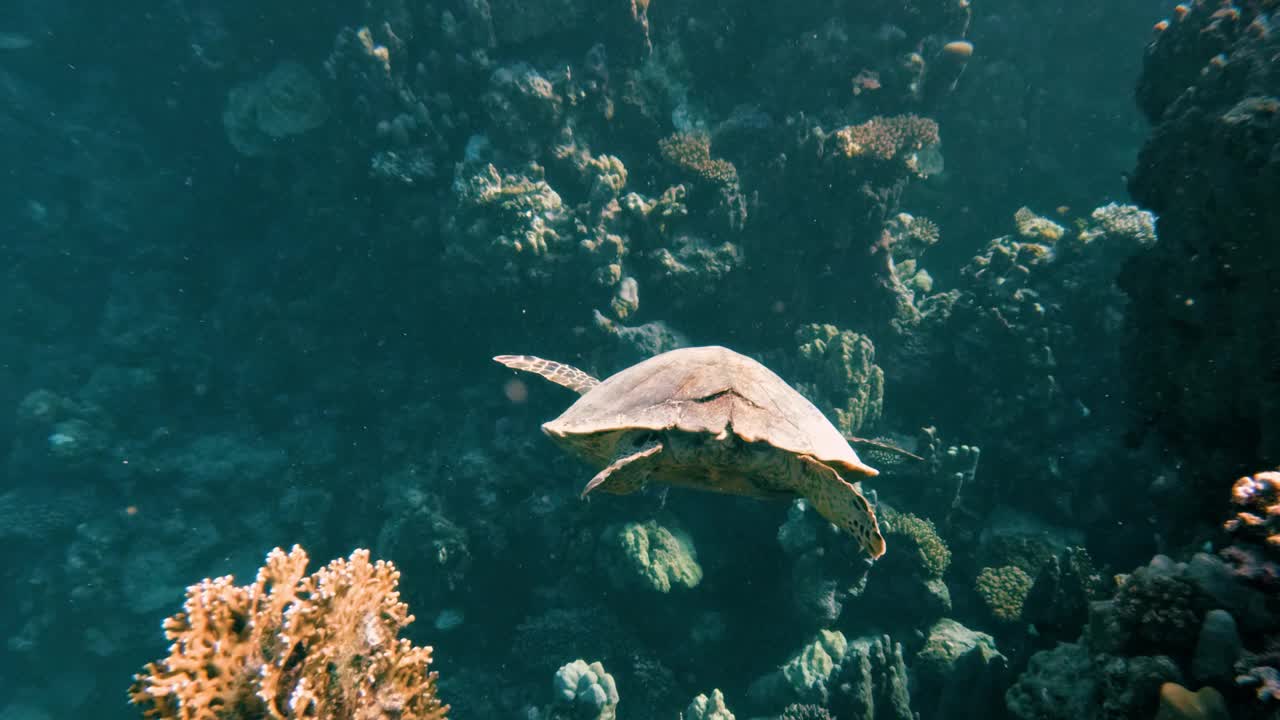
1003,590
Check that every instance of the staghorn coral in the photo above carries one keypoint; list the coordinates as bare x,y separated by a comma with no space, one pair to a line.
1003,590
291,645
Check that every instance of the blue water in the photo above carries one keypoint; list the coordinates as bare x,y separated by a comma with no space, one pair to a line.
1016,257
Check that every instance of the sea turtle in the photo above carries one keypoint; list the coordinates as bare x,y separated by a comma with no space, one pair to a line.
711,419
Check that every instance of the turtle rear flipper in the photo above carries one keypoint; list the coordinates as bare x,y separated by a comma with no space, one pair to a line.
839,502
558,373
627,473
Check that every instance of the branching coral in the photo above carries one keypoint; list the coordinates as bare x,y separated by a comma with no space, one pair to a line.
884,138
291,645
691,153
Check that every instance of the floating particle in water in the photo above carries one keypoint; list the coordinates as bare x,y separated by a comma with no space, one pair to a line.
14,41
516,391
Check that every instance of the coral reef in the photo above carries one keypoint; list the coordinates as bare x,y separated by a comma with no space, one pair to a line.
849,385
292,645
1058,602
261,251
1208,91
959,672
708,708
649,555
1256,500
1003,590
886,138
919,536
584,691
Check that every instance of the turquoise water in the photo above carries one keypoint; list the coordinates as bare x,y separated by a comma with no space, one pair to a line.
989,434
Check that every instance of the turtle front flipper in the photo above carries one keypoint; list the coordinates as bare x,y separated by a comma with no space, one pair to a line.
627,473
558,373
881,452
838,501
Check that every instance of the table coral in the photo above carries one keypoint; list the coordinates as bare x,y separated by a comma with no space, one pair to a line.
691,153
292,645
885,138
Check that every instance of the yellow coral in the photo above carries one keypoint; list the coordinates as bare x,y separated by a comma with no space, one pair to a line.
932,553
1004,590
1037,228
691,152
291,646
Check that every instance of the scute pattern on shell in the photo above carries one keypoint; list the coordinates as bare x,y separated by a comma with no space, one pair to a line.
707,390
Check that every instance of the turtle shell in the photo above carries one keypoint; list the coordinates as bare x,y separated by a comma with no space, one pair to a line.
702,390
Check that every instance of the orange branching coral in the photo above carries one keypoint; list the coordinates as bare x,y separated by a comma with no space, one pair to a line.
883,138
1257,502
290,646
691,152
